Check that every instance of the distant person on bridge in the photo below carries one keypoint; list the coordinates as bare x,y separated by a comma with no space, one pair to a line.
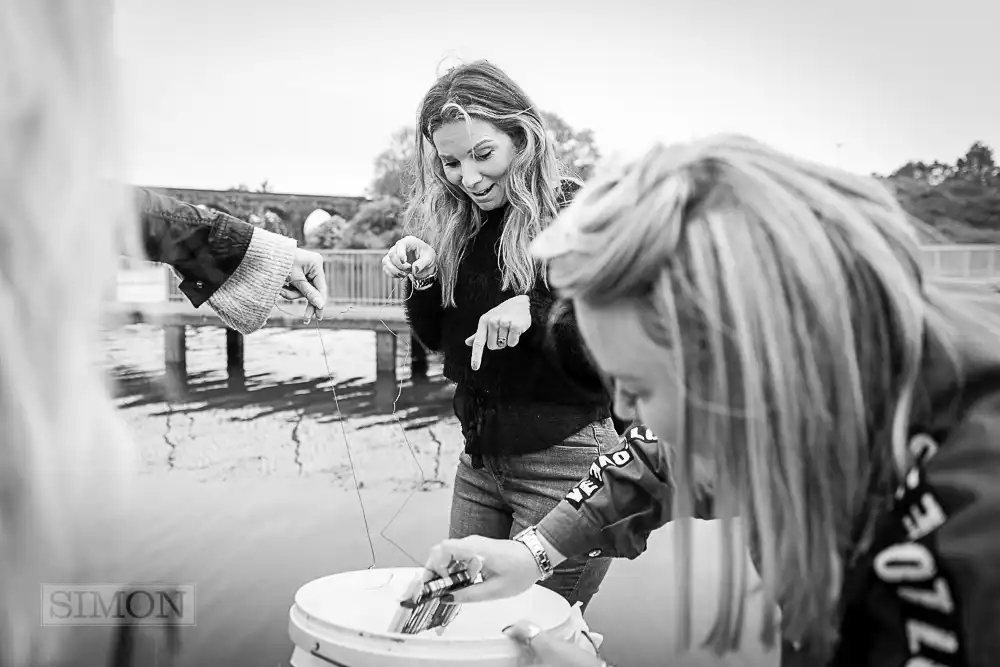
237,268
535,413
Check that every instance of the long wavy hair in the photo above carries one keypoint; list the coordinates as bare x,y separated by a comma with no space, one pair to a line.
790,295
443,215
61,445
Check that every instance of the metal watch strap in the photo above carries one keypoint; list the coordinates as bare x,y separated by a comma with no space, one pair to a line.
529,538
422,283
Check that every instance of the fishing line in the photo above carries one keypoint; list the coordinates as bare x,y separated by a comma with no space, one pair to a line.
395,413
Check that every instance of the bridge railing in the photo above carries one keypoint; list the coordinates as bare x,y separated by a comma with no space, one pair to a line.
355,276
352,277
963,262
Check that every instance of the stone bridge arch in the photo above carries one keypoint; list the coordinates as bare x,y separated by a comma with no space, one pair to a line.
293,209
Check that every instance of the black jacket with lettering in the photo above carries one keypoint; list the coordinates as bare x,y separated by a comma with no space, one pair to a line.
927,591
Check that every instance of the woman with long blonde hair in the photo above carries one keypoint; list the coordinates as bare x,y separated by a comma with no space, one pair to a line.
534,411
770,320
63,453
60,446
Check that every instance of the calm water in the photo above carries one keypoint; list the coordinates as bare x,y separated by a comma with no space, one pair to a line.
247,547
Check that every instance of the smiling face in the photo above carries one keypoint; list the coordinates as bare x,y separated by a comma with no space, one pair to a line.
475,157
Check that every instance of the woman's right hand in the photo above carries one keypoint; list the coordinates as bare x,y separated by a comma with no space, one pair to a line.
507,566
410,255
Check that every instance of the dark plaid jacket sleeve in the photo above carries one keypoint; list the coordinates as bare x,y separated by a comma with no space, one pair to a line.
204,247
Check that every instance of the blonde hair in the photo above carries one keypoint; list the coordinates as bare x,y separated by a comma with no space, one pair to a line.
59,230
790,297
443,215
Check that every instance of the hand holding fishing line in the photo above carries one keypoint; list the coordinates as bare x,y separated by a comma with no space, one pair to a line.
307,279
410,256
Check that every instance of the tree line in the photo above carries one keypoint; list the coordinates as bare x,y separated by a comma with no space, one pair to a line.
957,202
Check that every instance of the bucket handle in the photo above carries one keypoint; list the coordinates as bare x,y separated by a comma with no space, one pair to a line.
330,661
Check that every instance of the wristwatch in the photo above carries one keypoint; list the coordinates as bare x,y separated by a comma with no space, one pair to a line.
422,283
529,538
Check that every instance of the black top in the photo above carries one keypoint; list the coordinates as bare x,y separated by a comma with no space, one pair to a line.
524,398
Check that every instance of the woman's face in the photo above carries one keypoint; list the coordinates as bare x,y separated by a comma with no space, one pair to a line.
645,380
475,157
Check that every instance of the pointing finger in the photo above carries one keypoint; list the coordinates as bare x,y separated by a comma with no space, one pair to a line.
478,343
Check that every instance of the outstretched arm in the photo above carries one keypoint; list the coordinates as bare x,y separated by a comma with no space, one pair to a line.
238,268
626,496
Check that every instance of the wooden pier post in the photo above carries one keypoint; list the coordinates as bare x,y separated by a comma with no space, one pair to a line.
418,359
386,386
175,358
236,375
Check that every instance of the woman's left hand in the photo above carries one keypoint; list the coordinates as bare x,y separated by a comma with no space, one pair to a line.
540,647
500,327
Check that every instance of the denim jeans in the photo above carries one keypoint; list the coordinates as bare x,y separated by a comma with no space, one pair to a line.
513,492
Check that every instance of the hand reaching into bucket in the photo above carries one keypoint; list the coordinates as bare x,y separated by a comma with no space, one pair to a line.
507,566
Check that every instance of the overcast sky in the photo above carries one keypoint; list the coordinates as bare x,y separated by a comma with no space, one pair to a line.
305,93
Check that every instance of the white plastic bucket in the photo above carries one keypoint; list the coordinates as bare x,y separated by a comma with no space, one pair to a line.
342,620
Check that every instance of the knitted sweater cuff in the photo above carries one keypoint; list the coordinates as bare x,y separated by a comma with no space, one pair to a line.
246,299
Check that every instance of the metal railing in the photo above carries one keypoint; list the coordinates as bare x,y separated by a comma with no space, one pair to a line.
355,276
352,277
963,262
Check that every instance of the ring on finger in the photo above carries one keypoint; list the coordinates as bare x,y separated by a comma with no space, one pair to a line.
502,334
